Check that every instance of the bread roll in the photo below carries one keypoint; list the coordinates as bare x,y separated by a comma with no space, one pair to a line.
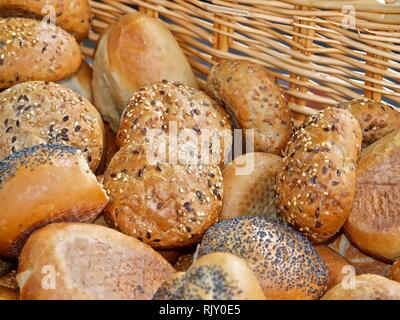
135,52
168,206
285,262
394,272
184,262
88,262
336,265
9,280
80,82
8,294
30,51
249,186
254,100
361,262
109,150
374,222
377,119
42,112
216,276
366,287
71,15
44,184
316,186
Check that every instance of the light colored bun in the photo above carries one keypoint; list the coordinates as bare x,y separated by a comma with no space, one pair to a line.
71,15
363,263
8,294
184,262
285,262
377,119
168,206
109,150
249,186
374,222
336,265
44,184
137,51
42,112
316,187
91,263
366,287
255,101
29,51
394,272
81,82
216,276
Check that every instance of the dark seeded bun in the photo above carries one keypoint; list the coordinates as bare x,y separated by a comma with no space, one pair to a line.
44,112
91,263
217,276
316,186
29,52
285,262
44,184
394,272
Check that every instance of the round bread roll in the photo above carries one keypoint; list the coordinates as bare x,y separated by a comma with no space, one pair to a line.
216,276
254,100
76,261
249,186
109,150
44,184
285,262
81,82
394,272
184,262
374,222
30,51
336,265
71,15
316,186
168,206
8,294
363,263
366,287
135,52
168,104
376,119
9,280
43,112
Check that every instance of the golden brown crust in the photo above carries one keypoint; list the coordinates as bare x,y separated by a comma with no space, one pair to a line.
91,262
249,186
166,205
216,276
29,52
44,112
81,82
255,100
135,52
8,294
61,188
71,15
286,263
366,287
394,272
374,222
376,119
316,187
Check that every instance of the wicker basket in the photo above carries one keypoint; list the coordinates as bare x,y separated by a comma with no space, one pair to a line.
322,52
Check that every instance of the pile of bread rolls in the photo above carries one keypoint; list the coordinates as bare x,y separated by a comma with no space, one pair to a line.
305,212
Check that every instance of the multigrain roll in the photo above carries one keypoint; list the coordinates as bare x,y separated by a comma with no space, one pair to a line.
44,112
366,287
394,272
44,184
8,294
171,107
136,52
249,185
254,100
75,261
216,276
168,206
316,186
29,51
376,119
285,262
71,15
374,222
80,82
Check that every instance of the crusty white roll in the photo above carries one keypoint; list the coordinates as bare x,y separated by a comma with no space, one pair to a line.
44,184
81,82
216,276
76,261
249,185
135,52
